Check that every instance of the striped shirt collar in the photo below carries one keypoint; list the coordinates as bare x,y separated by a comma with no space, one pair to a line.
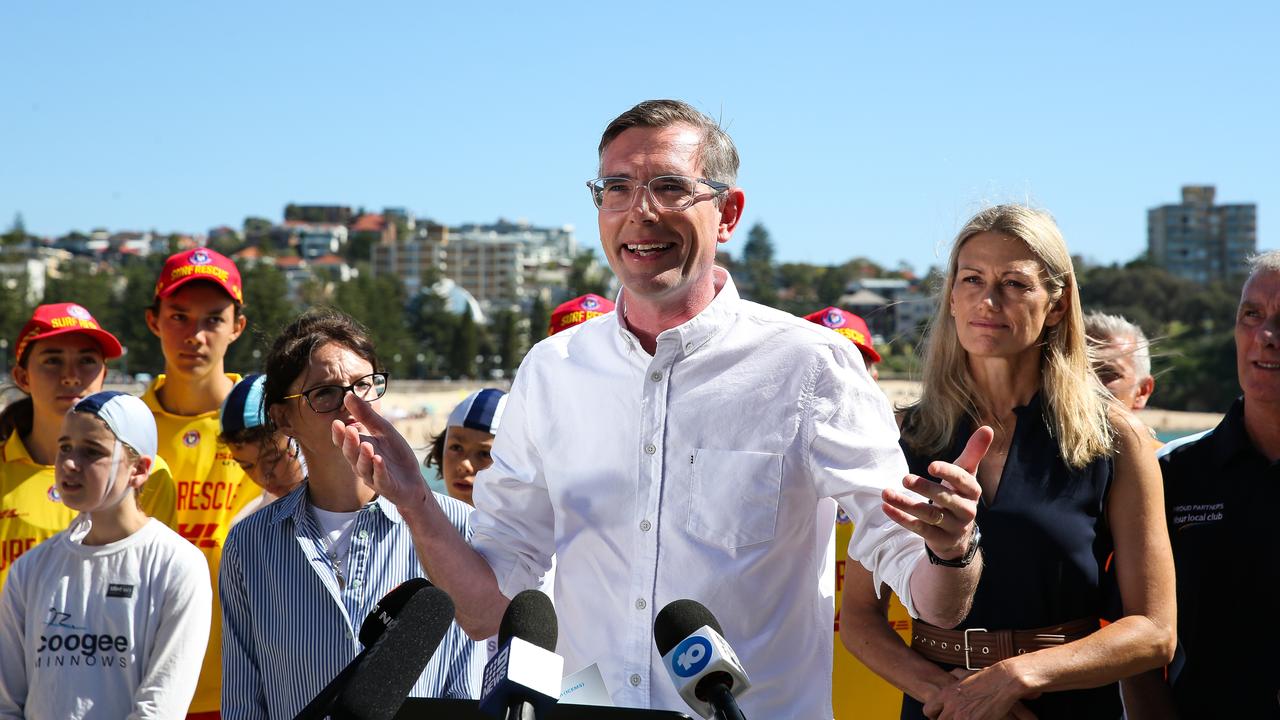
295,504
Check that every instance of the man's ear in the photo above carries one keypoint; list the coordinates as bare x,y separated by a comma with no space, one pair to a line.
1146,386
730,213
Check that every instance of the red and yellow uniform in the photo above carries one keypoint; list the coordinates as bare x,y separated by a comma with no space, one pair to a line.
211,490
31,511
856,691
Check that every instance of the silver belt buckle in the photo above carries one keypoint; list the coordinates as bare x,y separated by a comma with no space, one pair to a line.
967,665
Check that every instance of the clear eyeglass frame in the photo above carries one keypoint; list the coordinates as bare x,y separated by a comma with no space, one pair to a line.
604,188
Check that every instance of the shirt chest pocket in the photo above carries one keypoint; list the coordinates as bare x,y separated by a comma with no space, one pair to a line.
734,497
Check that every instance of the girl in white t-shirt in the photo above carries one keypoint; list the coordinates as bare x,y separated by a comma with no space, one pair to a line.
109,618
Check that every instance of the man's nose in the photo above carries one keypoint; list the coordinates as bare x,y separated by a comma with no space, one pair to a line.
643,205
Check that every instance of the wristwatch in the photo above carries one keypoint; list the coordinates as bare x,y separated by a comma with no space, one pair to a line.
963,560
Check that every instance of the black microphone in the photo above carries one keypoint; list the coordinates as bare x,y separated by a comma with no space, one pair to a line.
522,681
375,624
701,664
396,659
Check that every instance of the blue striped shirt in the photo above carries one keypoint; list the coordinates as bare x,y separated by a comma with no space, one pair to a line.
288,628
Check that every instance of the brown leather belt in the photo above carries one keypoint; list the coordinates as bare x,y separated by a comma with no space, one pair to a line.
977,648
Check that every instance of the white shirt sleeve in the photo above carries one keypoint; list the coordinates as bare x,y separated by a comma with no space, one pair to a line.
13,645
173,664
514,524
854,455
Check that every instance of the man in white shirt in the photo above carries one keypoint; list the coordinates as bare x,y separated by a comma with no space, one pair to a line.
678,447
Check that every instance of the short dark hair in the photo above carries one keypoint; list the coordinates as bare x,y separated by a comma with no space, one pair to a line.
292,348
717,155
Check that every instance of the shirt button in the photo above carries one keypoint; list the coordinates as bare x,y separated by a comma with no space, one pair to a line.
656,376
645,525
364,534
651,448
688,347
641,604
356,583
635,680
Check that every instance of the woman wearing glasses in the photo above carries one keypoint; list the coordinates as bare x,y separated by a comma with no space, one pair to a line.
299,577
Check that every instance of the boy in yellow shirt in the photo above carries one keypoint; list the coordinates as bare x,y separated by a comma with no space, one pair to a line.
197,314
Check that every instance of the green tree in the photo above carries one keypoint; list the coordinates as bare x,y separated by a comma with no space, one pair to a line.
85,283
17,233
129,317
379,304
505,331
432,328
539,320
465,347
757,258
585,275
14,312
268,309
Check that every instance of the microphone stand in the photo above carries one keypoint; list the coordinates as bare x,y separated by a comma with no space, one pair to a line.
722,700
521,711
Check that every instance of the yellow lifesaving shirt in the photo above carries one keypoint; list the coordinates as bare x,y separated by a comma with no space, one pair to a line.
31,511
211,490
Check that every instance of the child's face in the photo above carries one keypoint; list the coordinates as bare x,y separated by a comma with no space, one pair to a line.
83,466
60,370
269,464
195,325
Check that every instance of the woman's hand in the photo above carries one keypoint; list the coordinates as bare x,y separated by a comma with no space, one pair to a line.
382,459
990,694
945,520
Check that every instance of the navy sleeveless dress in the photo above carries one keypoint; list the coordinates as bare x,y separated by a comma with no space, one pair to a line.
1044,541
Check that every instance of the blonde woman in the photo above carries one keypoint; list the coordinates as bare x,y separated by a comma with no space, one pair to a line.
1068,478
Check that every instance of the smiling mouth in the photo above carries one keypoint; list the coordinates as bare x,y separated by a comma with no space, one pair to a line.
647,249
1266,365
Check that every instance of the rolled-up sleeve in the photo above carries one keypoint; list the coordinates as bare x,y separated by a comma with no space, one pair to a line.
853,454
514,524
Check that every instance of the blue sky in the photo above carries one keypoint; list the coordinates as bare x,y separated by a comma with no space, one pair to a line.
865,129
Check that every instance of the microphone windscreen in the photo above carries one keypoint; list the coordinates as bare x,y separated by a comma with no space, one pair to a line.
388,608
532,618
678,620
397,659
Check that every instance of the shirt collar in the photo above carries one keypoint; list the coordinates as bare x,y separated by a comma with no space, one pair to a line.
152,400
1230,438
16,451
695,332
295,505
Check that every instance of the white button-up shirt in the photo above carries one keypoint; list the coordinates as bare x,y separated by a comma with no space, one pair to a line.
694,473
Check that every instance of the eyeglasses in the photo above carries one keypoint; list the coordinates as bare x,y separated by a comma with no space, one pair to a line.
669,192
327,398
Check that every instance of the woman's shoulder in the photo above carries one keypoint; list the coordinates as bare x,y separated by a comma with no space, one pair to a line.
1128,433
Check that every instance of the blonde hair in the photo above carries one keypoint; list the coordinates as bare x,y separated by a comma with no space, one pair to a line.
1076,403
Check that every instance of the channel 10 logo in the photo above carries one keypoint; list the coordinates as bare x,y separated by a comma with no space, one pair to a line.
691,656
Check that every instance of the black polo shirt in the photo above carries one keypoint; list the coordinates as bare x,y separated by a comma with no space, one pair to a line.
1223,503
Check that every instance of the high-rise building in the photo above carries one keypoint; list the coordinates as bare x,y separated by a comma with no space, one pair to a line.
502,264
1200,241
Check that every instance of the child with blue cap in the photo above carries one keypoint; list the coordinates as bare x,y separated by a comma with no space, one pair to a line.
269,458
462,449
112,613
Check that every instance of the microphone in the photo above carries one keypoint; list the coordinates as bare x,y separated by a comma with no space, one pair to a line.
522,681
396,659
375,624
701,664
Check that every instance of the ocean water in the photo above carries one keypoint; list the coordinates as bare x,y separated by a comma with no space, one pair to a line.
1168,435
